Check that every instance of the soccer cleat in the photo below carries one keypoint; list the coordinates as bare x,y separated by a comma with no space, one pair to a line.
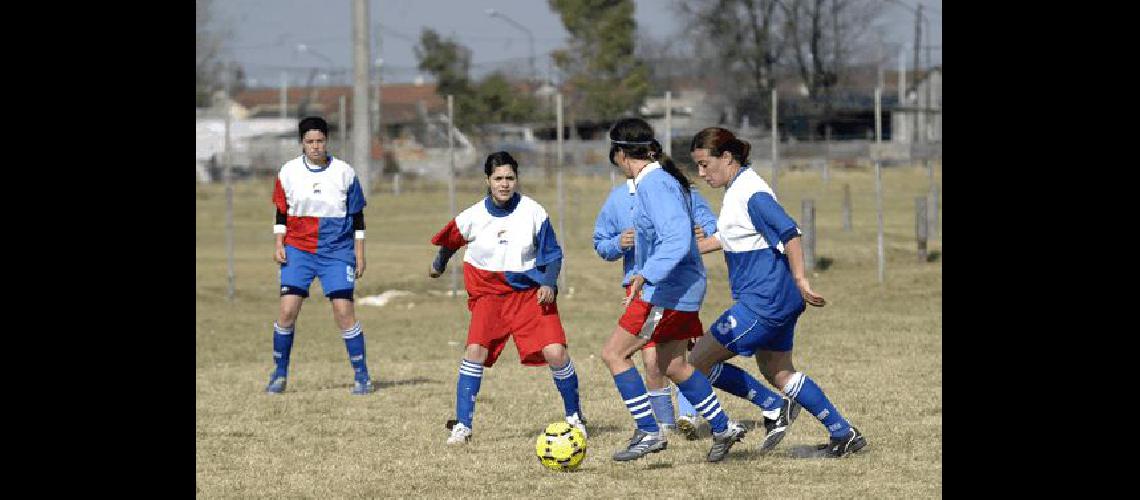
460,434
642,443
687,426
723,441
578,421
778,427
846,445
361,387
276,385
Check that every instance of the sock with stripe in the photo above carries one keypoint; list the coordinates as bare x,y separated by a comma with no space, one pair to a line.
731,379
632,390
698,389
661,401
282,346
805,392
684,407
470,377
566,380
354,343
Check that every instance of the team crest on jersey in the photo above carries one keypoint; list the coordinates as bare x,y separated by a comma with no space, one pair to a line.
500,236
726,326
317,188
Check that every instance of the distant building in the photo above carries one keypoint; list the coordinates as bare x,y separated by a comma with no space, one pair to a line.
922,103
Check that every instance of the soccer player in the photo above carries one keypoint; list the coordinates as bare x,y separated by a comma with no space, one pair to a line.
665,294
613,239
510,270
319,233
765,260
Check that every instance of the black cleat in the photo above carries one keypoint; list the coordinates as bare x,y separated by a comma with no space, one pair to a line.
723,441
777,427
642,443
846,445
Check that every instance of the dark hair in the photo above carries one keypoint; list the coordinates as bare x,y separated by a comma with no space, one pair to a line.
498,159
718,140
634,138
312,123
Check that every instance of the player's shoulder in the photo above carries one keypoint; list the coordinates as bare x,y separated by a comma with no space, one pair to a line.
530,205
291,165
749,183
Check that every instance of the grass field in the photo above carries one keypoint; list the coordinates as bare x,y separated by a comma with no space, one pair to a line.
876,349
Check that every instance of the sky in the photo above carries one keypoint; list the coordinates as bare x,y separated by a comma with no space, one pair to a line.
266,33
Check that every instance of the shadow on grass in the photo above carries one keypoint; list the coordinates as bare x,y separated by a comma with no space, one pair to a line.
383,384
823,263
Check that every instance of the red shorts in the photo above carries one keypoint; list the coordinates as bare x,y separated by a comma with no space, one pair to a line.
669,325
495,317
653,343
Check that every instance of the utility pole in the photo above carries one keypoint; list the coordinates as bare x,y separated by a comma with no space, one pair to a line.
361,145
917,48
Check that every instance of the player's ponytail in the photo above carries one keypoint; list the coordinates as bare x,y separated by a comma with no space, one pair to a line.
634,138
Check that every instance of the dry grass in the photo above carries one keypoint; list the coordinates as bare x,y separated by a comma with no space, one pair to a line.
875,349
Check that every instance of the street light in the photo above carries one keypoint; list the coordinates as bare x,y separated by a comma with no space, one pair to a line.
529,35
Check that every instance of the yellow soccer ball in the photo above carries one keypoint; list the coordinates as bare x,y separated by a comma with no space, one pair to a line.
562,447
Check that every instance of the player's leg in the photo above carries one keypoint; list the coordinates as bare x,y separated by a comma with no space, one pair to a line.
634,329
660,395
295,277
466,388
353,334
776,364
741,330
566,381
695,386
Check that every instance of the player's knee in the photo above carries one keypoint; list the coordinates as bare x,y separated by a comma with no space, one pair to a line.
556,355
475,353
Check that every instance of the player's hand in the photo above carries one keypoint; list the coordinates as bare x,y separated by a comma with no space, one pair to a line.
359,266
635,285
627,239
546,294
279,255
433,272
699,232
812,298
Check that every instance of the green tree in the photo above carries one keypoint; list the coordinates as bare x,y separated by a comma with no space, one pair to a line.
606,79
492,100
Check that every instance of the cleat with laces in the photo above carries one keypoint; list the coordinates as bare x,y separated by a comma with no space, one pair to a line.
778,427
460,434
577,420
642,443
276,385
723,441
361,387
846,445
687,426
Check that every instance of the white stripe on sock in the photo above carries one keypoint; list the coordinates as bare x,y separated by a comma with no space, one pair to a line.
699,406
282,331
714,414
642,414
639,407
714,374
636,400
792,388
471,373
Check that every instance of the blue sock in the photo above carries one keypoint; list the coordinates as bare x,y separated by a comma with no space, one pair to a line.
566,380
470,376
684,407
805,392
662,403
632,390
732,379
354,342
697,388
282,345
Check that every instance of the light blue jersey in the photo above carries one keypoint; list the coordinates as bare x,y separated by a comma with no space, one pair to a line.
617,216
665,249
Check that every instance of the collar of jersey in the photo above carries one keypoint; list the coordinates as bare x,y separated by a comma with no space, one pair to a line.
738,172
645,171
505,210
632,187
328,162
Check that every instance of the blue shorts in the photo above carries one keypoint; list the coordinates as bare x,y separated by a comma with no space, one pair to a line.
301,267
744,332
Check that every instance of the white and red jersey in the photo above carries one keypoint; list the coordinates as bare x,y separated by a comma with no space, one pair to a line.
319,203
508,247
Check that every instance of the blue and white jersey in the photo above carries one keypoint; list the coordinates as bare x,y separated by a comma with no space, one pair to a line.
617,216
665,249
751,220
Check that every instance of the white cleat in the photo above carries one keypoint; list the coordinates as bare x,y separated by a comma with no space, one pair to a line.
577,421
460,434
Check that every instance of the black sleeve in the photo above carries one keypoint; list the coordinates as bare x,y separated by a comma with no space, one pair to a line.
281,218
358,221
